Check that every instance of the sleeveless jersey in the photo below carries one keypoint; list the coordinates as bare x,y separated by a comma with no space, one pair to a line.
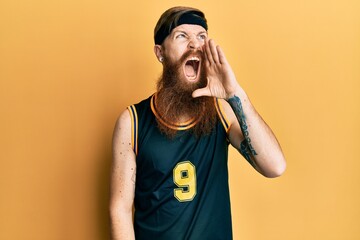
181,187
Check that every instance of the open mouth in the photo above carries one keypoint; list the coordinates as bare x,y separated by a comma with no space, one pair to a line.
191,69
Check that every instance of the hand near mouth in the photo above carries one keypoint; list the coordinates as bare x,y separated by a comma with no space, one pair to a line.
221,78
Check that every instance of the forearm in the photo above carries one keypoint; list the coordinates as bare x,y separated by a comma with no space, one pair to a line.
259,145
122,227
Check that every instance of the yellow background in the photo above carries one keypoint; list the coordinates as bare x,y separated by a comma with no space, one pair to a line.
68,68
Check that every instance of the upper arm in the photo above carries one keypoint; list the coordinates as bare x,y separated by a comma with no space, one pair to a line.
123,165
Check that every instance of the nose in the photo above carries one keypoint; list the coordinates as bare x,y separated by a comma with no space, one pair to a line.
195,43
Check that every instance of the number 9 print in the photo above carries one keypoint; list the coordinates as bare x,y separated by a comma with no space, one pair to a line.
184,175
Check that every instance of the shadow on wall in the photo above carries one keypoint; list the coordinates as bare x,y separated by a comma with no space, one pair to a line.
103,194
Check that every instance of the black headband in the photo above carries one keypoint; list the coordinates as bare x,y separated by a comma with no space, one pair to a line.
186,18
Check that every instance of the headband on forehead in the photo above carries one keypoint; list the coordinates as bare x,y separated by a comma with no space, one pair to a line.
186,18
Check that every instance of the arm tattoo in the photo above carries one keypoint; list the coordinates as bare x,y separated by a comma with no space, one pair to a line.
245,151
235,104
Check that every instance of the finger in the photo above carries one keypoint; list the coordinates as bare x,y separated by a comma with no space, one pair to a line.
221,54
214,52
201,92
208,52
206,58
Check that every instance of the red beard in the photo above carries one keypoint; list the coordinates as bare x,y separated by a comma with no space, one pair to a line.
174,99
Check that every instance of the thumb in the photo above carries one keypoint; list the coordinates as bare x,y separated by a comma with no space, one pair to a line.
201,92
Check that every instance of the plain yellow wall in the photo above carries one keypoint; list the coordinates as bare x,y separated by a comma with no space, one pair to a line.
68,68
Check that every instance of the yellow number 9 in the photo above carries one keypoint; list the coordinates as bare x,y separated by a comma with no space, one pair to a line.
185,178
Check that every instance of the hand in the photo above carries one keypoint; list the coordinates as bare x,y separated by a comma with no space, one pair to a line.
221,78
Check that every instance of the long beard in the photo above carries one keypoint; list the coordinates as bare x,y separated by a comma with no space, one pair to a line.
174,100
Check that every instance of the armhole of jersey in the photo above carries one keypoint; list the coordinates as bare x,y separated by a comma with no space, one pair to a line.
222,115
134,128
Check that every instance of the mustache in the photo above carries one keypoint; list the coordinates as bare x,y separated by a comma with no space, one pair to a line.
171,64
198,53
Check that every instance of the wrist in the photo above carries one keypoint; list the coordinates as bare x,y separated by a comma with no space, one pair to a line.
237,91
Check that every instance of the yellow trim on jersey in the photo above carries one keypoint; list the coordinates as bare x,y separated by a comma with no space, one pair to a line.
219,108
176,126
134,127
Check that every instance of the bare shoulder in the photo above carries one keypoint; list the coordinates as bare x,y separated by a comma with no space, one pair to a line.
124,119
122,130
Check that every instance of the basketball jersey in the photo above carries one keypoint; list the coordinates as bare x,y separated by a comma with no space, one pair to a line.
181,187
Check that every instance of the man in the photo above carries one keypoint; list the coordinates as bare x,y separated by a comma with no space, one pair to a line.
170,150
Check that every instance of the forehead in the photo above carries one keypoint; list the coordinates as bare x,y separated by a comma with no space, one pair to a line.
189,28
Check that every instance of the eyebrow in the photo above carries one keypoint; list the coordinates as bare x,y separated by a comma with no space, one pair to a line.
182,31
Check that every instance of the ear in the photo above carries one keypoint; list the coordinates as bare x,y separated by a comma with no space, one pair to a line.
158,52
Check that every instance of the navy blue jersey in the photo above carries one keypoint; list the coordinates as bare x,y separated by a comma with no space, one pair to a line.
181,187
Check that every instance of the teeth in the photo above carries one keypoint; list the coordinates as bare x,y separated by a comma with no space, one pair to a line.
194,59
